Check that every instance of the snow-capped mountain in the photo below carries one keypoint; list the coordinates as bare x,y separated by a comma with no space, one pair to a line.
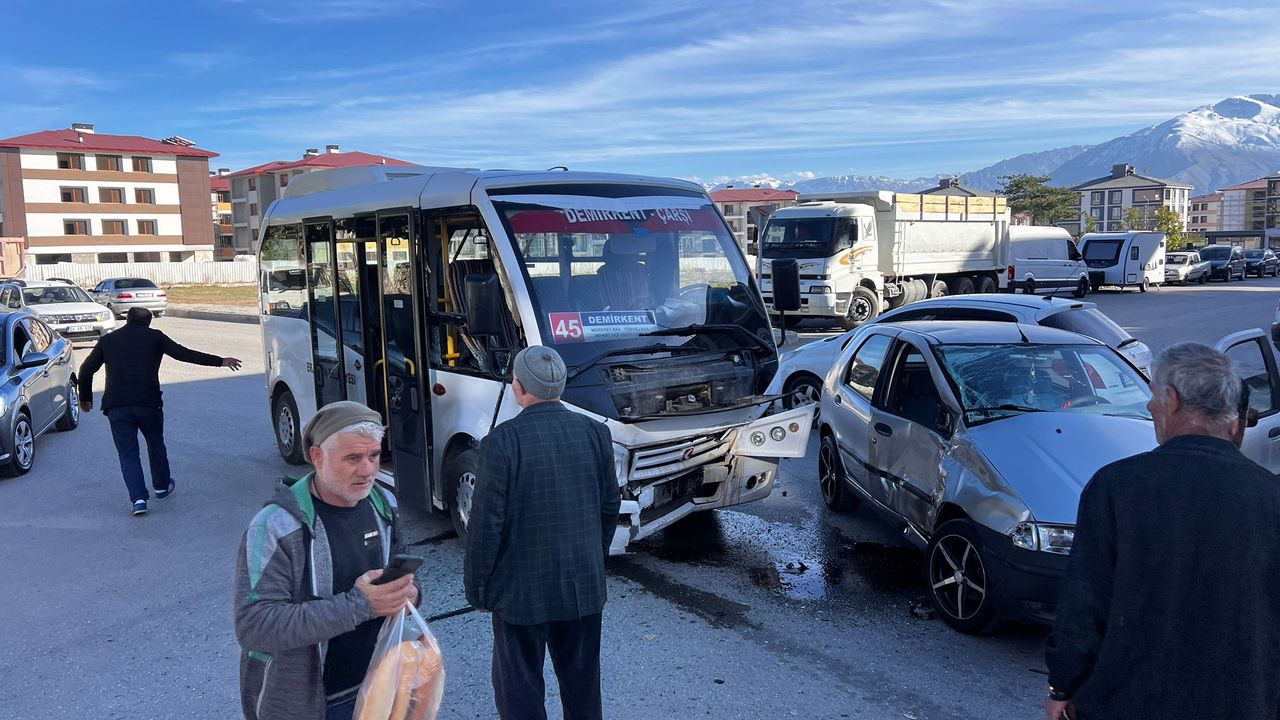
1211,147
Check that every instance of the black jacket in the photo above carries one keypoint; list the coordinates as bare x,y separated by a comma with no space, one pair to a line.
1171,604
132,355
543,515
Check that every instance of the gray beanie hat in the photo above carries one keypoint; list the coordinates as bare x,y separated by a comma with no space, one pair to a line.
541,371
333,417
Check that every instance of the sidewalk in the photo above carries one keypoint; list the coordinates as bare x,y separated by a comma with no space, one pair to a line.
224,313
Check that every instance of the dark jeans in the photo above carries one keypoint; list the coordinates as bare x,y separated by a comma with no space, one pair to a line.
341,709
126,423
518,654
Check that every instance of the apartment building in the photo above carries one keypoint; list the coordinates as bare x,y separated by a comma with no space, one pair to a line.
220,205
76,195
1108,199
1204,214
743,208
951,186
1244,206
254,189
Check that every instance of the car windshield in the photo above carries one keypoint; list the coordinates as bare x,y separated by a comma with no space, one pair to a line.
1102,250
1178,259
999,381
1215,253
609,264
54,294
1089,322
807,237
1253,254
132,283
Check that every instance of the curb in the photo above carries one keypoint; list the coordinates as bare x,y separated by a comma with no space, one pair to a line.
215,315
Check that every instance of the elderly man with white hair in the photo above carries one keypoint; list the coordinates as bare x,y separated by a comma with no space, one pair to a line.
1169,608
307,609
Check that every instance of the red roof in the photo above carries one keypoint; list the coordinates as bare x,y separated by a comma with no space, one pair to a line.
323,160
218,182
94,142
1258,184
752,195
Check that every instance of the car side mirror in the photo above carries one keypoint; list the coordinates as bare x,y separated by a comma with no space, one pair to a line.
1251,418
945,424
34,359
484,305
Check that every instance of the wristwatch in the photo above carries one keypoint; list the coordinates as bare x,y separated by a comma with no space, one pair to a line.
1057,695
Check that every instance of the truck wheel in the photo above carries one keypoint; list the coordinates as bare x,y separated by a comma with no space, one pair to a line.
985,285
939,289
962,286
1029,287
1203,279
864,306
1082,288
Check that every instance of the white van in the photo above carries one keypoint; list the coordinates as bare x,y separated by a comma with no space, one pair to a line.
1124,259
1044,259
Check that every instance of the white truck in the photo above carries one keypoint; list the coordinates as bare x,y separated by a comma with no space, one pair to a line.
860,253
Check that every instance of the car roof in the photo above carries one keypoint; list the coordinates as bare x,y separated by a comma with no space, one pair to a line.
46,283
995,301
982,332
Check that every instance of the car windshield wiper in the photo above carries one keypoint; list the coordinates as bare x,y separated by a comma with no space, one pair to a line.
716,328
1006,407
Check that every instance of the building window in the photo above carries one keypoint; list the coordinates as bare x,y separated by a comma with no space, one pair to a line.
284,181
1095,197
146,227
1112,226
52,259
74,194
144,196
113,257
1149,195
108,162
141,164
1096,213
75,227
253,208
179,256
146,257
1113,212
70,161
111,195
115,227
253,183
1115,197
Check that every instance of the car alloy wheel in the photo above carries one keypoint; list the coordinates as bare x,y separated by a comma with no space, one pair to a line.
24,445
831,477
801,390
958,581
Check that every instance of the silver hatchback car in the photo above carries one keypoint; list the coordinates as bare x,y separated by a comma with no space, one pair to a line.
976,438
121,294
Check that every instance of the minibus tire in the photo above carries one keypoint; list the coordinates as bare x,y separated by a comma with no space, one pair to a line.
291,452
457,466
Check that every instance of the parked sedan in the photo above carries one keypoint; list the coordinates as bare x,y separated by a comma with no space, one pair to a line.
1186,267
800,371
1225,261
121,294
65,308
976,439
40,392
1261,263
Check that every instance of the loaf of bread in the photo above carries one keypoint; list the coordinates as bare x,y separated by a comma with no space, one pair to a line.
404,684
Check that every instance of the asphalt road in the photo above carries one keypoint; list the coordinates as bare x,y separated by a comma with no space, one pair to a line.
778,608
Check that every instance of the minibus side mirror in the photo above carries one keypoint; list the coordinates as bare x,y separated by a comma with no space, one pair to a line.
484,305
786,284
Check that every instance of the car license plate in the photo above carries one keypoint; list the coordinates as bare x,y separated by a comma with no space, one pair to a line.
80,328
142,294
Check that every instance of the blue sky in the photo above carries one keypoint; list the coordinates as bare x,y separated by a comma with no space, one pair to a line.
667,87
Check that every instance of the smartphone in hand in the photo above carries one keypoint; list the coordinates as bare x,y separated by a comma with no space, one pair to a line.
399,566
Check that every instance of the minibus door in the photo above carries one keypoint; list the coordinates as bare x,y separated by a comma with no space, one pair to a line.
403,372
326,353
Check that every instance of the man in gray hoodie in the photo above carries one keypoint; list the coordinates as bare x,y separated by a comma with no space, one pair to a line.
307,613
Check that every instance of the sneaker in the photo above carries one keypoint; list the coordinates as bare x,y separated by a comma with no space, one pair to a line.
162,494
139,507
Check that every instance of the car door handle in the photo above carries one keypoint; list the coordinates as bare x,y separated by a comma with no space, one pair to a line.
1274,433
883,429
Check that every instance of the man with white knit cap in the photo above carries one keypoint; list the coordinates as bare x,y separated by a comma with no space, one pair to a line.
543,516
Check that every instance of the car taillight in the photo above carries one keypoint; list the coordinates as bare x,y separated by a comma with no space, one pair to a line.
124,296
1010,273
162,294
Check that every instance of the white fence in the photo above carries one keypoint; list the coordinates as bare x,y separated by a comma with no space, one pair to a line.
175,273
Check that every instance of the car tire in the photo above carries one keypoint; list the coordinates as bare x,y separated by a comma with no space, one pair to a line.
1082,288
800,389
864,306
460,470
22,440
939,289
1146,285
1029,287
70,419
985,285
956,571
284,414
1204,279
835,492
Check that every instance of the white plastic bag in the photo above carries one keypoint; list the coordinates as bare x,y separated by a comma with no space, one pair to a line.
405,680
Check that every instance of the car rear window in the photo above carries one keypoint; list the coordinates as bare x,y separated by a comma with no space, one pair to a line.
1090,322
129,283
